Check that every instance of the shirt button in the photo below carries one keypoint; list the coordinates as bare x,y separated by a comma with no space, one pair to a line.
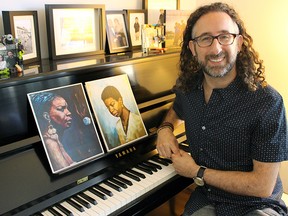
203,128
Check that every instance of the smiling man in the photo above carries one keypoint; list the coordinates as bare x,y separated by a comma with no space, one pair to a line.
235,122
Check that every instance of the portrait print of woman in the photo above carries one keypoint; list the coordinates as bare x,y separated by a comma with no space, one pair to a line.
66,126
116,111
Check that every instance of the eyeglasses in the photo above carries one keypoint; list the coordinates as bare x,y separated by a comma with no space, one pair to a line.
207,40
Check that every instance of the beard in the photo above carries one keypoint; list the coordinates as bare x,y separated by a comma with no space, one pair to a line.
221,70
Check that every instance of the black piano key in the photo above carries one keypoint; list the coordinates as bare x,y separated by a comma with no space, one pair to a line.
64,210
98,193
158,160
129,175
167,160
154,169
114,186
75,205
88,198
157,166
104,190
146,170
117,182
141,175
81,201
124,180
54,212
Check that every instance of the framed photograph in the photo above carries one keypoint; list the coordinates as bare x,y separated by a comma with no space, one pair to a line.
23,25
165,4
75,30
118,36
175,24
156,9
116,111
136,19
66,126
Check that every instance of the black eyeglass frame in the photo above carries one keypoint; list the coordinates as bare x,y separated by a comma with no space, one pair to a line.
216,37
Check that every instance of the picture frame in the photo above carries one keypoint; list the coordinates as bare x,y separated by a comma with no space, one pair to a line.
23,25
156,10
66,127
175,24
75,30
112,101
157,4
118,36
136,19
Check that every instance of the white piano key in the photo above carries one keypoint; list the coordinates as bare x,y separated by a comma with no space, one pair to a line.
130,192
105,205
139,189
47,213
73,209
115,202
148,181
121,196
90,211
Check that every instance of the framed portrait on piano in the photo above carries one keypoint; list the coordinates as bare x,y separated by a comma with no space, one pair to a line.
116,111
66,127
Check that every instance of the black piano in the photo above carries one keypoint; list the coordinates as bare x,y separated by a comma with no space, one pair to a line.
130,181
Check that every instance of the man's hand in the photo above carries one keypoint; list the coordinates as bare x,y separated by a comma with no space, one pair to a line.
166,143
184,164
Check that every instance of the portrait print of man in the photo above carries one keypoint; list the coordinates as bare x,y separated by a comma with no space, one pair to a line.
116,111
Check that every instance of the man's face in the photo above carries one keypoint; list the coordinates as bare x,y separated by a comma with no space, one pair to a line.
10,54
216,60
114,106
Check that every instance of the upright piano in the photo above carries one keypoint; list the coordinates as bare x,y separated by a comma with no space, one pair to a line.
129,181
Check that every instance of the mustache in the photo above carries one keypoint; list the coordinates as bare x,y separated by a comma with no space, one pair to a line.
219,55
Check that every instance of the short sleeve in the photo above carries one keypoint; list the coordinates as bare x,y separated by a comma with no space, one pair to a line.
269,142
177,105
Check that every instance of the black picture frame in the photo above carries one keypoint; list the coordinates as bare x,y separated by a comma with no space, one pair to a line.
135,29
75,30
118,38
23,25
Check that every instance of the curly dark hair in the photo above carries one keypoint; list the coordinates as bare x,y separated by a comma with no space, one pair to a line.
248,65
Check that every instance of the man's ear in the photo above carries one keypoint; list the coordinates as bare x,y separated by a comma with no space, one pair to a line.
192,47
239,42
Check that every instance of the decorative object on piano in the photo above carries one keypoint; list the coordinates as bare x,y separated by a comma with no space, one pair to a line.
11,57
24,26
118,37
175,24
135,19
152,40
116,111
66,126
75,30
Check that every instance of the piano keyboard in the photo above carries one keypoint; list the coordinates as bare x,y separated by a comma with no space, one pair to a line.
116,192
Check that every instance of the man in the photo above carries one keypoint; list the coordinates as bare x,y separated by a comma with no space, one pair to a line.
129,125
11,59
235,122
